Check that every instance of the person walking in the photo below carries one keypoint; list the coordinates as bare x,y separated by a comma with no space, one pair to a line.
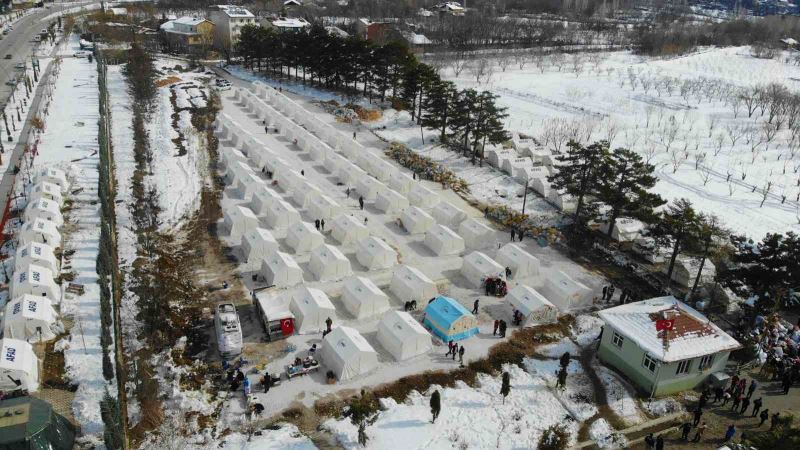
787,383
685,429
605,292
763,416
660,442
508,272
316,224
718,393
475,306
513,235
756,406
520,234
354,135
650,442
736,402
503,327
700,431
496,326
449,348
611,292
703,401
698,413
725,397
773,421
361,202
322,224
328,323
455,350
730,432
347,192
745,405
461,356
751,388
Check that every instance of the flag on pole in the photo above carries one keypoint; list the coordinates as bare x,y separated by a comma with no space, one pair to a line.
665,324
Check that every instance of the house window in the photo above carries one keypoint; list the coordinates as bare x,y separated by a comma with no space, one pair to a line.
683,367
706,362
649,362
617,339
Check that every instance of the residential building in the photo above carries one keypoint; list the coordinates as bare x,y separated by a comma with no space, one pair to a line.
452,8
416,42
378,32
663,345
284,24
187,34
228,22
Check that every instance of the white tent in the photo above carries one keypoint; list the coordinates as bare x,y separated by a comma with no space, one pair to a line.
29,318
323,207
328,263
475,233
40,230
423,197
447,214
281,270
19,363
535,309
282,214
416,221
408,283
55,176
563,201
375,254
363,298
238,172
263,199
335,161
443,241
289,180
515,167
382,170
347,229
541,186
261,157
565,292
304,192
303,237
249,184
277,165
366,159
625,230
44,209
239,220
35,280
401,182
402,336
369,188
311,307
347,353
496,156
37,254
390,201
46,190
521,263
477,267
350,174
257,244
532,173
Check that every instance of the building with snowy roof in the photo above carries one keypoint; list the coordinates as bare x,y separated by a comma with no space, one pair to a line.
522,264
40,230
363,298
347,229
303,237
565,292
531,173
409,283
37,254
281,270
312,308
390,201
346,352
448,214
382,170
328,263
416,221
422,197
239,220
477,266
228,22
35,280
29,318
535,309
46,190
449,320
44,209
323,207
625,229
402,336
497,156
282,215
443,241
375,254
663,345
257,244
686,268
18,364
475,233
52,175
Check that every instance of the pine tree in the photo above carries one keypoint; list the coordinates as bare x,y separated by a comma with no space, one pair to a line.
113,435
436,405
680,222
437,106
624,187
578,172
463,115
709,231
488,122
505,389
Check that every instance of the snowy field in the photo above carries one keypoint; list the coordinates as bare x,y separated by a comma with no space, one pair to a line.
681,114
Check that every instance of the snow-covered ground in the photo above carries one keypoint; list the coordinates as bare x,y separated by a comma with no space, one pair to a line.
685,115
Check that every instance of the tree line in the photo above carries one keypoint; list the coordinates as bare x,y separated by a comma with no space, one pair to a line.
465,118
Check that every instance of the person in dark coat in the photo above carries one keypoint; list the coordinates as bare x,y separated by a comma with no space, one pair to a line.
449,348
316,224
605,292
757,406
461,356
736,402
508,272
718,393
496,326
322,224
649,442
773,421
702,402
745,405
763,416
455,350
659,443
698,413
503,327
513,235
685,429
361,202
475,306
611,292
751,388
328,323
730,432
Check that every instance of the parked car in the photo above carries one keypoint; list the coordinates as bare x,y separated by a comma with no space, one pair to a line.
20,65
8,56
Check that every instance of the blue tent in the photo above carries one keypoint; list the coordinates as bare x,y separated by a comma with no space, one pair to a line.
449,320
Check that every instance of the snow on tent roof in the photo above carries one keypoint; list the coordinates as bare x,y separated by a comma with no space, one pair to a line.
303,237
478,266
443,241
529,301
447,214
29,317
693,335
415,220
375,254
347,229
40,230
521,263
19,362
423,197
476,234
445,310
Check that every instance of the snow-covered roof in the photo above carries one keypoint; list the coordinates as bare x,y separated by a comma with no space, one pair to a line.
118,11
693,334
235,11
290,22
789,41
417,39
191,21
336,31
347,342
292,3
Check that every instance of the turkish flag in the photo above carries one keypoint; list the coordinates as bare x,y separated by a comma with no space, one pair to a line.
287,327
665,324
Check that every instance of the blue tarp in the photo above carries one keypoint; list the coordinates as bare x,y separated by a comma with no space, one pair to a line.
440,315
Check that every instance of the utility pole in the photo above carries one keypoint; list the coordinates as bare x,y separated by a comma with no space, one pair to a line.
525,195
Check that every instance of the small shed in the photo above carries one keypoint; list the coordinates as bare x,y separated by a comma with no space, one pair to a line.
52,175
443,241
282,215
409,283
347,353
44,209
37,254
263,199
19,364
416,221
230,158
29,318
477,267
31,423
390,201
239,220
281,270
516,167
312,308
535,309
46,190
475,233
375,254
447,214
362,298
40,230
530,174
565,292
401,182
303,237
328,263
369,188
257,244
238,173
521,263
347,230
496,156
423,197
402,336
323,207
448,320
35,280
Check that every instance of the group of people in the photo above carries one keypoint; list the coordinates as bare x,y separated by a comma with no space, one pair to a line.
410,306
495,286
454,349
778,346
500,328
517,234
319,224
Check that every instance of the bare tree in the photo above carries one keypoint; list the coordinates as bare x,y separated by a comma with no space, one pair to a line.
735,132
646,82
557,59
718,142
505,61
765,193
521,59
459,62
576,62
750,97
669,133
